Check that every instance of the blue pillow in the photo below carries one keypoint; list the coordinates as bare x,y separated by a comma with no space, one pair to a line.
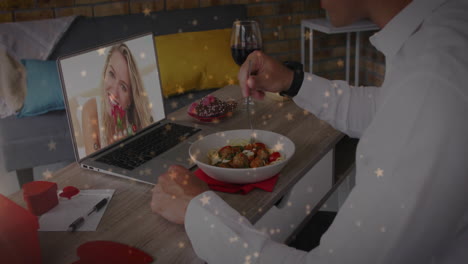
43,88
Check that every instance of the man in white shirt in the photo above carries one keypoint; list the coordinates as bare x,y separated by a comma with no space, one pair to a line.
409,203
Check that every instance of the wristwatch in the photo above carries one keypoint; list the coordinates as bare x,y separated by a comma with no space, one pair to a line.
297,79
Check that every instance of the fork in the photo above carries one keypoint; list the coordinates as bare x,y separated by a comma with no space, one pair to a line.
252,139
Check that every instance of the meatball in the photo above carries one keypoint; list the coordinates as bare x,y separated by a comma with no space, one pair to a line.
240,160
223,165
257,162
262,154
226,153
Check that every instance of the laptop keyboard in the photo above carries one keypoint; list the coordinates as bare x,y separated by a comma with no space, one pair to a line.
148,146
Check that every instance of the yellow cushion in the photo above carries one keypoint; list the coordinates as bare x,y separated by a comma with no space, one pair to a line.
195,61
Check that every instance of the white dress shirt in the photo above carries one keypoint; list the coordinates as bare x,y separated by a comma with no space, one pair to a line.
409,204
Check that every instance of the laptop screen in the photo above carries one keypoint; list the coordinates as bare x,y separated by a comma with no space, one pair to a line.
112,92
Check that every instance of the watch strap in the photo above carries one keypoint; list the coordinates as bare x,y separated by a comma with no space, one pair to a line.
298,78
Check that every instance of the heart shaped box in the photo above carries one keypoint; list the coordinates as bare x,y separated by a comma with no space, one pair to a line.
40,196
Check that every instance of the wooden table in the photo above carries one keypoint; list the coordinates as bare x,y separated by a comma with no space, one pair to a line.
128,218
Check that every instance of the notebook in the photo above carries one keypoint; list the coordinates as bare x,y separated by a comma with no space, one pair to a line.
115,108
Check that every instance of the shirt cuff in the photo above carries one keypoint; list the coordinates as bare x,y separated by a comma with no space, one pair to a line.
311,95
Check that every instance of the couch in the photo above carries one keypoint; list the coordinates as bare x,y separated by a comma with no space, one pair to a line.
44,139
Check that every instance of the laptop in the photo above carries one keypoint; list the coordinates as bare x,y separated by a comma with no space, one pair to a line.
115,109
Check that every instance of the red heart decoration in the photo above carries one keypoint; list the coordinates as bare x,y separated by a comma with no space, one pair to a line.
95,252
40,196
69,192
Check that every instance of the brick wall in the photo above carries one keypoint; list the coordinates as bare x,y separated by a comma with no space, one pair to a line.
279,19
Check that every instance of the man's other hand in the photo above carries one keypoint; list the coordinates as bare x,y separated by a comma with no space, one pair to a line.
174,191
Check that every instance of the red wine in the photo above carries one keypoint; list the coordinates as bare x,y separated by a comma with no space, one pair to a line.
240,54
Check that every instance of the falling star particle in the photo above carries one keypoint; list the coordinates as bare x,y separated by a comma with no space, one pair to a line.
52,145
327,94
383,229
147,11
205,199
340,91
142,55
334,85
233,239
174,105
272,231
240,220
248,257
309,77
289,204
83,73
260,209
358,223
340,63
212,226
280,104
101,51
310,189
195,22
379,172
215,18
148,171
246,245
278,146
181,245
275,34
47,174
289,117
351,206
330,251
305,112
292,226
325,105
180,30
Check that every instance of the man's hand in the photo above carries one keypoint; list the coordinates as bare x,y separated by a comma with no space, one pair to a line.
174,191
268,75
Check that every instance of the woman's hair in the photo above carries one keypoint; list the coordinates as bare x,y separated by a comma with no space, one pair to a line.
139,112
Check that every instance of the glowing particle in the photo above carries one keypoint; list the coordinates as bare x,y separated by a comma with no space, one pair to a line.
47,174
52,145
101,51
379,172
358,223
205,199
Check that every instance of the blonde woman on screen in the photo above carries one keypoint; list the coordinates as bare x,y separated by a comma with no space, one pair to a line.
124,107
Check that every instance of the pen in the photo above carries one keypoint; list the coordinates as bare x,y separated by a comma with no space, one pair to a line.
78,222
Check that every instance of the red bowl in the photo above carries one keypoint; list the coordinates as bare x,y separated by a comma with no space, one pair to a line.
207,118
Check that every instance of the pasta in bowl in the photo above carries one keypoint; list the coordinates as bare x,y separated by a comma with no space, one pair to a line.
227,156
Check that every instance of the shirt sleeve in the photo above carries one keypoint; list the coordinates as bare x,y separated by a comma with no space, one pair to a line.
347,108
409,197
